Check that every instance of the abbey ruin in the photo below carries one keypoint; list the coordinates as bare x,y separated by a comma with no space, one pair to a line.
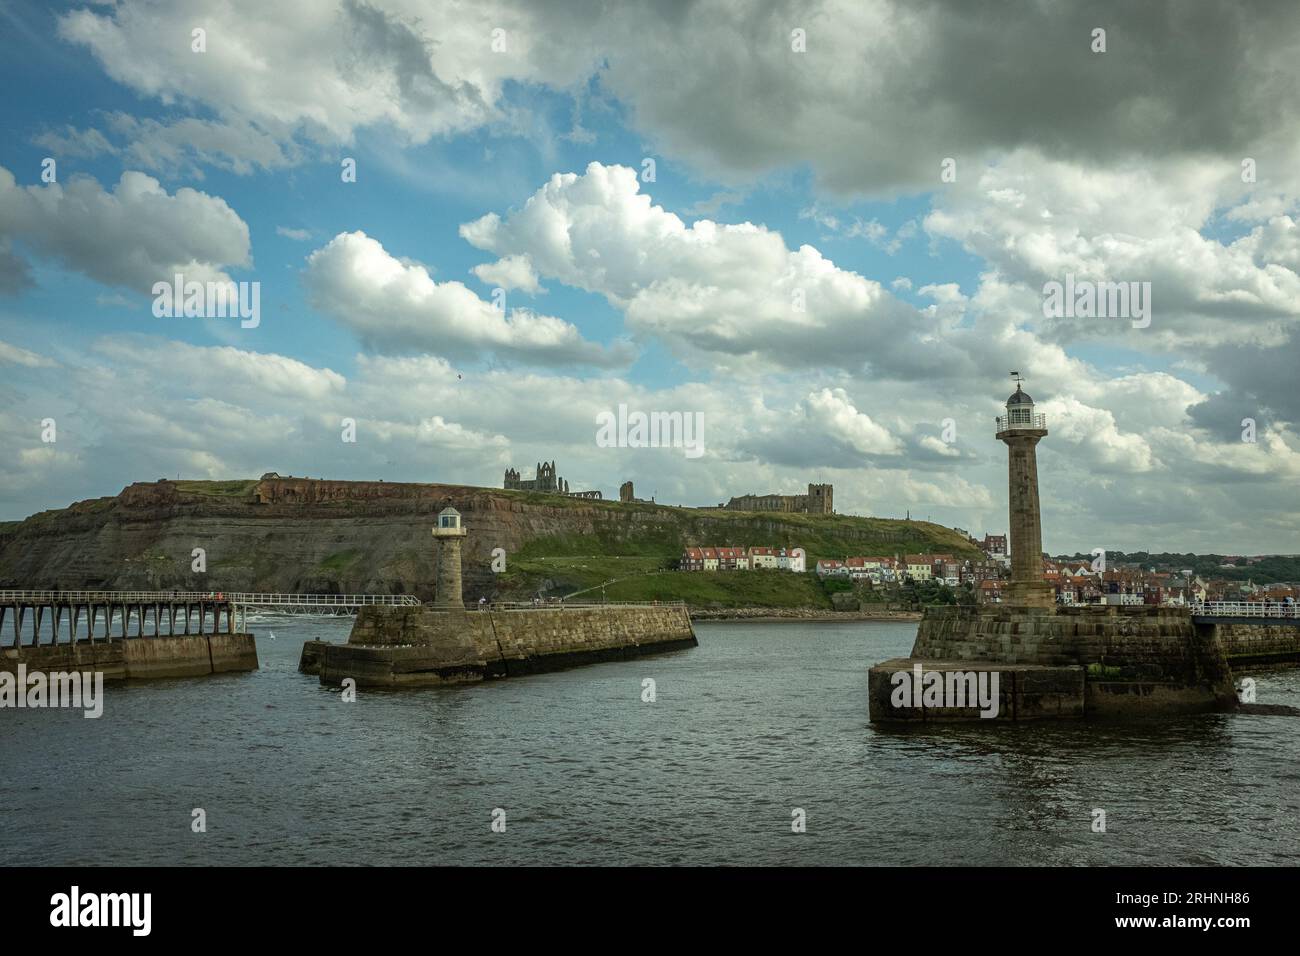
546,481
818,501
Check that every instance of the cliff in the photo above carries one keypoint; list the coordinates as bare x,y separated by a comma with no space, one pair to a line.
292,534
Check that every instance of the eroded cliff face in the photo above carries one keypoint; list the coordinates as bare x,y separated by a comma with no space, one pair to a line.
304,535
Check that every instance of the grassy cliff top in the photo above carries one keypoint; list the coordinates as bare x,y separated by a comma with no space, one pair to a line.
608,527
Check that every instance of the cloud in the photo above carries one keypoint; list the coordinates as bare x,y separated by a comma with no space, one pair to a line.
732,97
714,292
395,305
20,356
510,272
266,374
182,146
134,236
75,142
824,428
1037,221
900,73
320,72
15,274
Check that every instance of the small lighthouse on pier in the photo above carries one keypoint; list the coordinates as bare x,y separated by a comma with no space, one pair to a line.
1021,428
448,534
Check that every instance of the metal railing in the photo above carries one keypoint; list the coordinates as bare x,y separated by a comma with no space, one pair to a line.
1246,609
243,598
258,599
1034,421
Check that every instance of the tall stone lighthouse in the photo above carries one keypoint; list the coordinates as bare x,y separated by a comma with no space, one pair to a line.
448,534
1021,428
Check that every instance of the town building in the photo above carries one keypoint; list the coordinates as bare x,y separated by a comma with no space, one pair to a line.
919,567
742,559
877,570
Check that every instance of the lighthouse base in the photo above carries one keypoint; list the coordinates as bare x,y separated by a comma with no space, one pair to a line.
1136,661
1031,594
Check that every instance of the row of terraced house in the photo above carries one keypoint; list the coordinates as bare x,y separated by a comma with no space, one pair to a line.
743,559
943,568
1134,585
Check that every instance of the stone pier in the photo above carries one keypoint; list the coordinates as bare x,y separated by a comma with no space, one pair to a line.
1130,661
424,646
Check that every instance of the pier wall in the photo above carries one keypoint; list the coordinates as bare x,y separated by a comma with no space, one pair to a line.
1025,692
1136,660
394,646
1255,644
140,658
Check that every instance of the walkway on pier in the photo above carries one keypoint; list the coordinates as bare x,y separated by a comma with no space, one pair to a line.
196,612
1251,612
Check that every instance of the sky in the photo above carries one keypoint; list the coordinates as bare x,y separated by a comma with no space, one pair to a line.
825,231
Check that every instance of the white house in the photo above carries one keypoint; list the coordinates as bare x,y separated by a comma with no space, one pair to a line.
792,560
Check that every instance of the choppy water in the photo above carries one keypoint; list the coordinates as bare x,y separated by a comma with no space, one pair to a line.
756,721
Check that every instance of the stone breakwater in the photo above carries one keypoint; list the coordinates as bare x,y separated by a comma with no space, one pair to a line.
1258,645
140,658
421,646
1132,660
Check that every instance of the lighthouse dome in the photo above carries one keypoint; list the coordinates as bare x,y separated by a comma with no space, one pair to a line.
1019,398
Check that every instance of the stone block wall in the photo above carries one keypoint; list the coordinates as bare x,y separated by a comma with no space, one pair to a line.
1136,658
1258,644
396,645
1025,692
142,658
